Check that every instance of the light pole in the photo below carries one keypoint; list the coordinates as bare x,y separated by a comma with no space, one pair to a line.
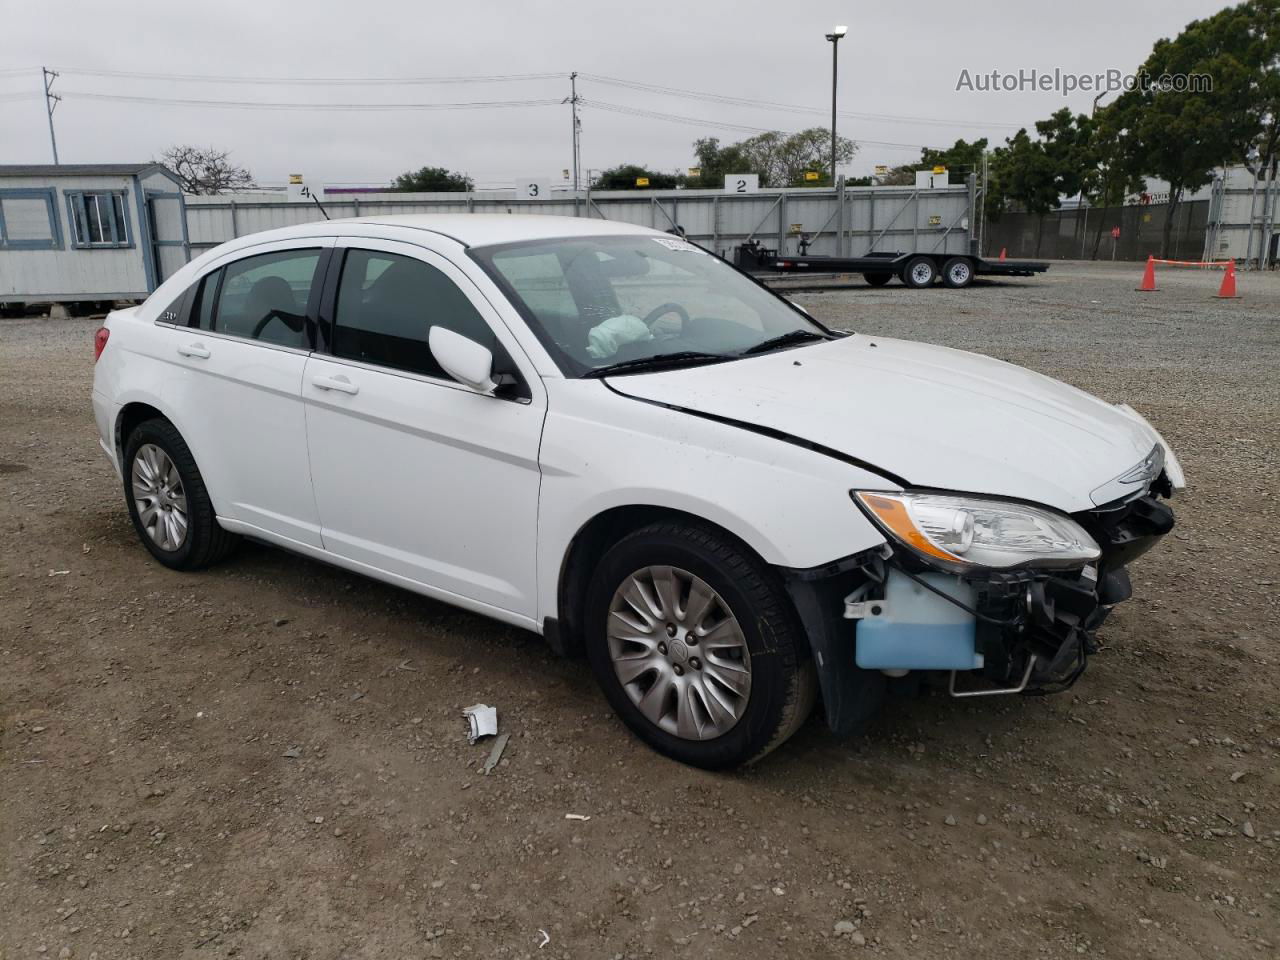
834,36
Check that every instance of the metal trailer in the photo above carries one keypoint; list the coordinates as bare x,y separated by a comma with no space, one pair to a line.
917,269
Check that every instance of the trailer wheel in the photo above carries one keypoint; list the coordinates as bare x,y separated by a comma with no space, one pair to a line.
919,272
957,272
877,279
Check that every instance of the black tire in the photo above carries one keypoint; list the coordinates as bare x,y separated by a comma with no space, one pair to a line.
957,272
783,682
877,279
920,272
205,542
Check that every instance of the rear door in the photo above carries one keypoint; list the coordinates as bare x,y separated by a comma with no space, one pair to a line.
239,392
413,473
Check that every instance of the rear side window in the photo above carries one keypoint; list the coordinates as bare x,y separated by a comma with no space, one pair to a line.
387,305
262,298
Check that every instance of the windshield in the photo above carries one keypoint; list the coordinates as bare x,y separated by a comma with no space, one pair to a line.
602,302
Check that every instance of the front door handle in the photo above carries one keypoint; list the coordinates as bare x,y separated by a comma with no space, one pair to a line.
196,350
339,383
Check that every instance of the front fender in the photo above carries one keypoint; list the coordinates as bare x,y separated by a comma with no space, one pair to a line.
601,451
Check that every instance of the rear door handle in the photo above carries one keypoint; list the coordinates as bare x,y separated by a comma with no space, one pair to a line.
194,350
341,384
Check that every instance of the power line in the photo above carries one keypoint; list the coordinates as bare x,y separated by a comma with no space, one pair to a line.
309,81
790,107
723,124
264,105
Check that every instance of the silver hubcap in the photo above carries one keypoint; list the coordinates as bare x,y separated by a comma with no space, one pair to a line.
159,498
960,273
679,653
922,273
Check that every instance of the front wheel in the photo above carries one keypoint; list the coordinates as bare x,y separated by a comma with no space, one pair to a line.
696,646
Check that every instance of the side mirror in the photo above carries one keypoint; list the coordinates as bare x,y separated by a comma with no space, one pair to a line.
464,360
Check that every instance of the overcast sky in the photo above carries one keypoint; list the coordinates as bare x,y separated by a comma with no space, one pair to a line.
899,60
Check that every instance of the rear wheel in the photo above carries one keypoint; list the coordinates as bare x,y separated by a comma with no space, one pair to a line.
877,279
919,272
168,502
957,272
695,644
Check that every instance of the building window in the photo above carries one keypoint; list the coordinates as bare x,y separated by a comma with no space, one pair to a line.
27,220
99,219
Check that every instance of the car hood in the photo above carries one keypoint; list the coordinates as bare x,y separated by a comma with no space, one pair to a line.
932,416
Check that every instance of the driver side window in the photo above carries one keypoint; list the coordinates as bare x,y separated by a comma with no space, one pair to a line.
265,298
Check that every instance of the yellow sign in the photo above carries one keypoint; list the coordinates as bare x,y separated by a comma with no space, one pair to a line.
939,169
295,178
796,228
881,169
935,220
642,181
695,171
811,175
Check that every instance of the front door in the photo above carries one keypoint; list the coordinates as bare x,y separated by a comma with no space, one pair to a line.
413,473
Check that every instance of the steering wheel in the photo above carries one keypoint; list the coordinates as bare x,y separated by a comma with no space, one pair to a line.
658,312
293,321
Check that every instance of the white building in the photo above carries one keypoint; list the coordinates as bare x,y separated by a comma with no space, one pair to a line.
88,232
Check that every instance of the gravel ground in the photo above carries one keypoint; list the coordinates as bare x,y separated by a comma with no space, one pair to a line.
267,759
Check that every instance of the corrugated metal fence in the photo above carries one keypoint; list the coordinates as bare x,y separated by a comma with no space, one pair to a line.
850,221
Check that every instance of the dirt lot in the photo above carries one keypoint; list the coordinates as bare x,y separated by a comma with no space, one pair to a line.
268,759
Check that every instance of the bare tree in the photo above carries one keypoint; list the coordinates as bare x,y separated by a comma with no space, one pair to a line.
204,170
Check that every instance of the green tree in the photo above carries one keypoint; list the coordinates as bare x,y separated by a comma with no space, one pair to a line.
624,176
1021,172
782,159
715,162
961,159
1184,133
432,180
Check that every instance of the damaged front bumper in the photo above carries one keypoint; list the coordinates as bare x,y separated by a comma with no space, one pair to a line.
885,614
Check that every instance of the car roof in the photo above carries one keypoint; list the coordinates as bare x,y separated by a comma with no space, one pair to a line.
474,229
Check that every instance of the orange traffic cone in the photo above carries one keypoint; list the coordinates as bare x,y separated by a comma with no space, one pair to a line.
1228,289
1002,252
1149,277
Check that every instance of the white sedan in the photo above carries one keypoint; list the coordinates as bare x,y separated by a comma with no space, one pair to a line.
608,436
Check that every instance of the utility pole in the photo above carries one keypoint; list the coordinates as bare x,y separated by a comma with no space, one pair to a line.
577,125
51,101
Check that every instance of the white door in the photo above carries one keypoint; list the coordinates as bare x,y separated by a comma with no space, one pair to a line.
413,473
240,398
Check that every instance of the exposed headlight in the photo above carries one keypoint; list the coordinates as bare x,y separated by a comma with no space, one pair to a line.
964,532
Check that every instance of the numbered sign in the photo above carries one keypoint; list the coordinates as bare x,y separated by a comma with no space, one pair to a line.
533,188
300,190
741,182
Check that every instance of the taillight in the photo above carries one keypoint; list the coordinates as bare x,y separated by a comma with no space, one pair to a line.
100,342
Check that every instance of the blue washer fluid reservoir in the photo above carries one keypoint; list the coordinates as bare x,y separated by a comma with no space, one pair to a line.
917,629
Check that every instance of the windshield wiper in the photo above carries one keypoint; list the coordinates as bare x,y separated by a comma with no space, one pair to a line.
784,340
680,358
